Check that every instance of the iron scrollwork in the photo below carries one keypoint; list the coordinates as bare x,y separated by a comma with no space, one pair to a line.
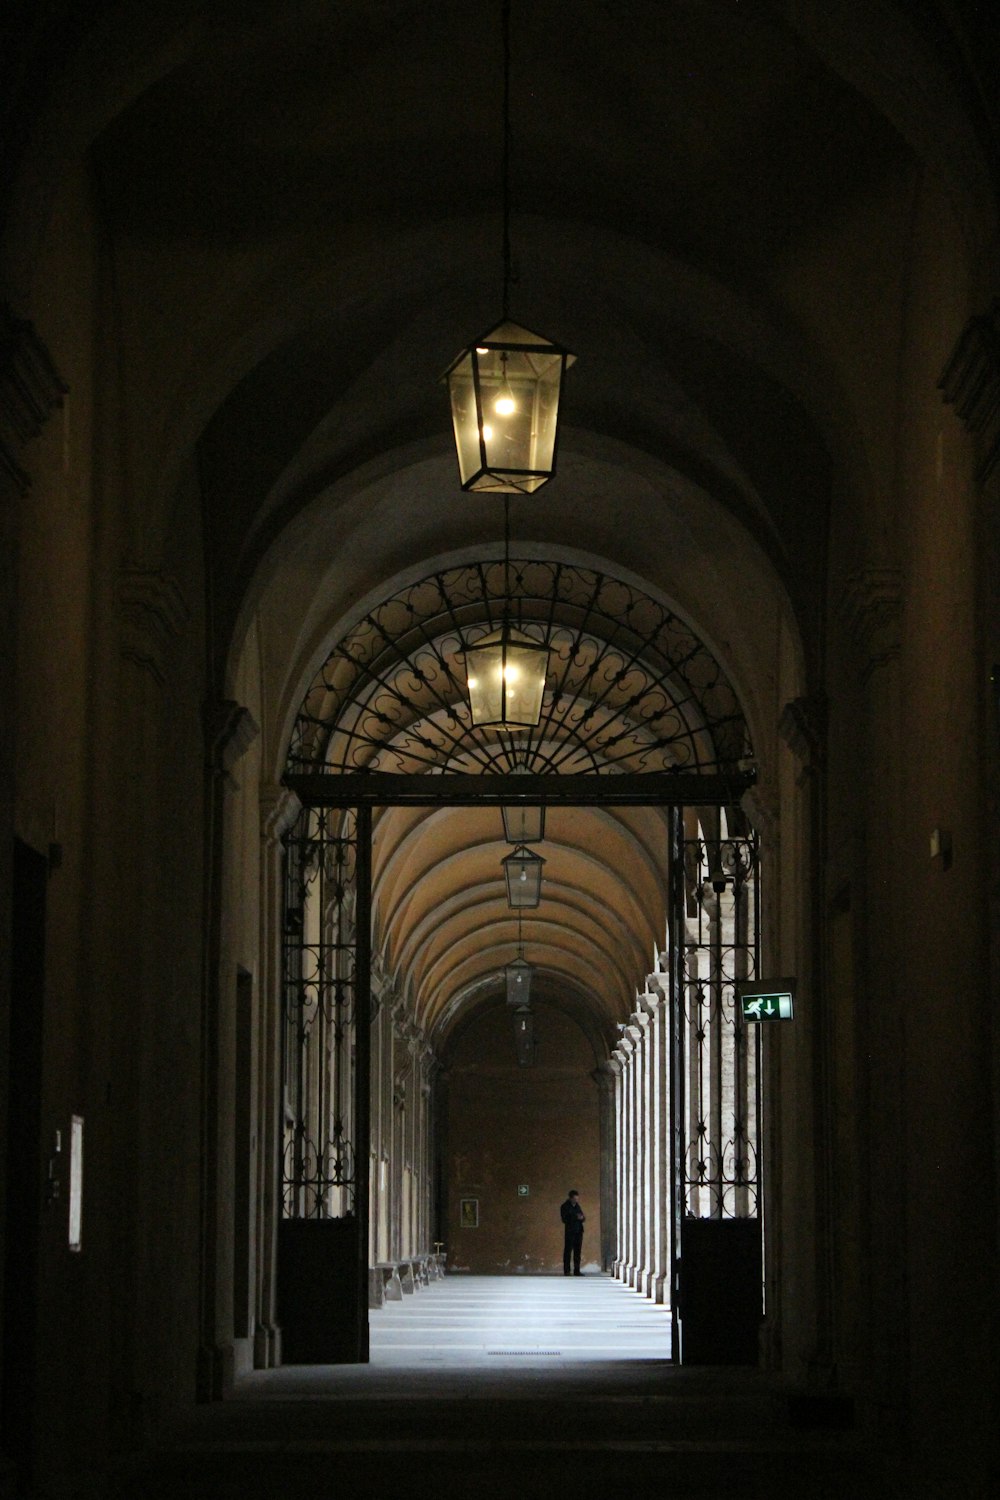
721,1083
629,686
318,1165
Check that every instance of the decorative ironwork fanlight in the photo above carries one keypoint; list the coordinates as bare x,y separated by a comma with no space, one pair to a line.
523,873
505,386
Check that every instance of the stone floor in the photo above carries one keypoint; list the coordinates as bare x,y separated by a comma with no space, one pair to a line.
508,1386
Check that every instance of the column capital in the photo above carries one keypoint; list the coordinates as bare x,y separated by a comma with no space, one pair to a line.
648,1003
604,1076
152,613
871,608
761,808
279,809
802,726
970,382
230,730
30,390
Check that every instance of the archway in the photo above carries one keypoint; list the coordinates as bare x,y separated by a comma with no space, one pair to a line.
636,714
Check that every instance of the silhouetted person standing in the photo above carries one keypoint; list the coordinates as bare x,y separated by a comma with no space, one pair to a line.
572,1216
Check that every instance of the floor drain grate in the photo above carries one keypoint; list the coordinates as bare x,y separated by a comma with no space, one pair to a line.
527,1353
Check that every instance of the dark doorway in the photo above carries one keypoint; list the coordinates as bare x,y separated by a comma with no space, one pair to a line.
23,1155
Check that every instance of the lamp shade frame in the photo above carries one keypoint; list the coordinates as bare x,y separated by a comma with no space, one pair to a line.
523,823
524,1035
503,452
506,672
522,870
518,975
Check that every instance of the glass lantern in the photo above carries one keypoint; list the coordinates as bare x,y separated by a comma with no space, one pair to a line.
506,677
523,874
505,391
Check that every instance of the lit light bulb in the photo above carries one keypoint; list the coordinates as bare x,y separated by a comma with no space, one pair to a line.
473,682
510,673
487,433
505,404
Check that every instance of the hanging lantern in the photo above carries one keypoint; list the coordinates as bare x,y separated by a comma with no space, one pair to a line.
506,677
523,825
523,874
517,977
505,392
524,1036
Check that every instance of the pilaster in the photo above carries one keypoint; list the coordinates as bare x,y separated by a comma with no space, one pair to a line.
871,612
279,811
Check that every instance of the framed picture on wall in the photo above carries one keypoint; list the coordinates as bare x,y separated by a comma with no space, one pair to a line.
468,1216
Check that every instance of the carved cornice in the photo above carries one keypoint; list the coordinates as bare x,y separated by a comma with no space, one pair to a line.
230,730
970,382
279,809
871,607
30,390
152,614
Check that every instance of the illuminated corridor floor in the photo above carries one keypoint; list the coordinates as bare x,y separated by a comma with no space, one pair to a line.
472,1320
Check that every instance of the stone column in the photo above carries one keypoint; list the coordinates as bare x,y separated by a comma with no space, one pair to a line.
643,1152
279,809
605,1077
229,730
659,1153
871,610
619,1063
627,1046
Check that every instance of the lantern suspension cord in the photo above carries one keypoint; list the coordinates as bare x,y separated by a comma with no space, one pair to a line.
505,159
506,555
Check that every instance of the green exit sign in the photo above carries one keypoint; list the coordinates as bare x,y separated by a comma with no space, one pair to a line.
767,999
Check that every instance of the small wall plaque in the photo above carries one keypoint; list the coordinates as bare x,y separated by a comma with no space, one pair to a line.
468,1215
522,1190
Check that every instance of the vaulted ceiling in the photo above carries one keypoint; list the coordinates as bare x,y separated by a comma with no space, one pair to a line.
300,219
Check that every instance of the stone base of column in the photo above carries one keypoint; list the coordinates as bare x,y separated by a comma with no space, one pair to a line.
266,1347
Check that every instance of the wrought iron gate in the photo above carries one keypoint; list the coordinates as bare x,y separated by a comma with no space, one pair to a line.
323,1235
716,1068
